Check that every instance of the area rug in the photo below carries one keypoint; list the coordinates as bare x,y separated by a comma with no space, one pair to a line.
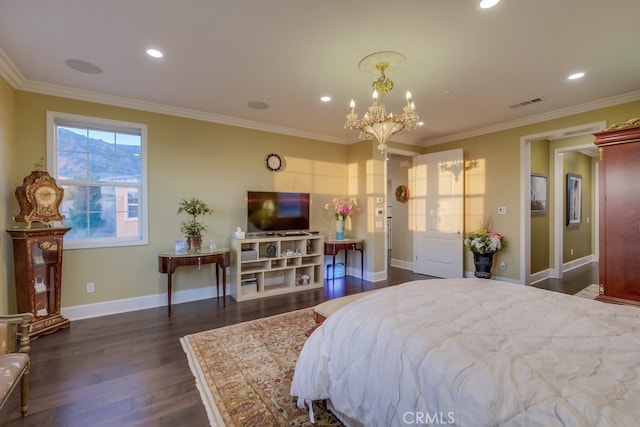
244,371
590,292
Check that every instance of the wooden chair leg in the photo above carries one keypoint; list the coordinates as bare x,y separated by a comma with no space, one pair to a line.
24,392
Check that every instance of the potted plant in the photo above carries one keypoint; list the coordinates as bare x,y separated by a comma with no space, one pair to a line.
192,229
484,244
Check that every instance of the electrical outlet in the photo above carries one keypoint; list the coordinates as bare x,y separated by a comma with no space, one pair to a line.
502,210
90,287
503,266
571,251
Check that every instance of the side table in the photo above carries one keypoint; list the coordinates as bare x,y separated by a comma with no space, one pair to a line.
168,262
333,247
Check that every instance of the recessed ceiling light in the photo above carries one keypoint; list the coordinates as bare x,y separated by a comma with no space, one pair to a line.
258,105
325,98
575,76
83,66
155,53
486,4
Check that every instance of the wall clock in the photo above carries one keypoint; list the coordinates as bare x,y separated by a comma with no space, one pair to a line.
39,199
273,162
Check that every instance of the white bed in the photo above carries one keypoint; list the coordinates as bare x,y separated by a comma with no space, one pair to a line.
475,352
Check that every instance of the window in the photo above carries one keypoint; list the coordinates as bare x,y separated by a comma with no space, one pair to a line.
101,165
132,205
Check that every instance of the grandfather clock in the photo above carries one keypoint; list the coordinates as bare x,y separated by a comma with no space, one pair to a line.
37,252
37,261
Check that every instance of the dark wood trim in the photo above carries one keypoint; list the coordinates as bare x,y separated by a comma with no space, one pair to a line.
619,301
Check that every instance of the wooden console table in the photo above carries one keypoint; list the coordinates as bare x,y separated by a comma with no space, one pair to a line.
168,262
333,247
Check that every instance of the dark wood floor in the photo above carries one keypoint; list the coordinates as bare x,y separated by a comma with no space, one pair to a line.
573,281
130,369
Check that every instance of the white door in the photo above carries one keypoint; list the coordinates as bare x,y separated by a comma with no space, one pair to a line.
436,212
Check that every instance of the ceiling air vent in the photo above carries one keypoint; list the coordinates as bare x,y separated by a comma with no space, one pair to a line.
525,103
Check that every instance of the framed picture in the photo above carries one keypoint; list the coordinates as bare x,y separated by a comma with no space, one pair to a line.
538,193
574,199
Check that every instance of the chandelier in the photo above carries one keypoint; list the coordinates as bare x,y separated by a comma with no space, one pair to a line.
377,123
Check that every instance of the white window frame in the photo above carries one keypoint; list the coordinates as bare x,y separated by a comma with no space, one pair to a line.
55,119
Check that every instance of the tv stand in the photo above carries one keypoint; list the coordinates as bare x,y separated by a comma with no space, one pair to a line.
265,266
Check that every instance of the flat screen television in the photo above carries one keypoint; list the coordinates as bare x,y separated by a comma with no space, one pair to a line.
271,211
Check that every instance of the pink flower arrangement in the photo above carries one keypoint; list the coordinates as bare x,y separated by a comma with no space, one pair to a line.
343,207
484,241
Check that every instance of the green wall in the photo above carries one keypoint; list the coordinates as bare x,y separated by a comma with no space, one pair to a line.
540,163
495,180
219,163
186,157
577,238
7,187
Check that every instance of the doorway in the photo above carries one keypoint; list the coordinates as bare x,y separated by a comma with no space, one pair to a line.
556,217
398,237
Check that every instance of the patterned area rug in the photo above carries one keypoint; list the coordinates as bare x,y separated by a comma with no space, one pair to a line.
590,292
244,371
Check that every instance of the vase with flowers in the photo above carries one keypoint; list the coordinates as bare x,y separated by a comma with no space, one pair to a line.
192,228
342,207
484,243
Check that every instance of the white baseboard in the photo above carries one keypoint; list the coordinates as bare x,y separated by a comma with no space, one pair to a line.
540,276
567,266
471,274
87,311
405,265
578,263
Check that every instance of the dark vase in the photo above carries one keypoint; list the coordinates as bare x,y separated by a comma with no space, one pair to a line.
194,243
483,263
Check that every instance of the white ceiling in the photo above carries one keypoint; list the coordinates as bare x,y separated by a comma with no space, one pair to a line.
221,55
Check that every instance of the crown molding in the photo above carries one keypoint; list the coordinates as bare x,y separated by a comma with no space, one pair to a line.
9,72
551,115
13,76
124,102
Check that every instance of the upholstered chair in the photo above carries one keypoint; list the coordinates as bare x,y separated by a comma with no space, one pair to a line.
14,357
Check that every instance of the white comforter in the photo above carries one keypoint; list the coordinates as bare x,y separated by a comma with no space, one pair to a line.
474,352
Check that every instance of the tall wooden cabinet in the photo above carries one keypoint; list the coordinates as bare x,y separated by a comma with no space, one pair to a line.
37,260
619,169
